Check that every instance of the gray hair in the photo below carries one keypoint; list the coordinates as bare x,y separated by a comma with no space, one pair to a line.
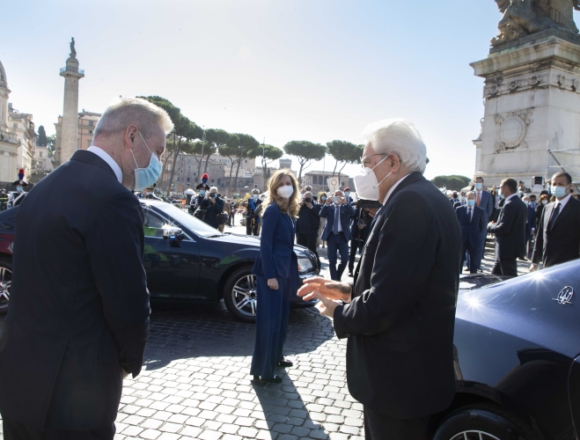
400,137
133,111
212,188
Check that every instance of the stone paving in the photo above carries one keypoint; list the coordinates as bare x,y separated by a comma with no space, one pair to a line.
195,383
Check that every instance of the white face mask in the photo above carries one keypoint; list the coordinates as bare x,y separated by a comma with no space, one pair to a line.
544,202
285,191
366,184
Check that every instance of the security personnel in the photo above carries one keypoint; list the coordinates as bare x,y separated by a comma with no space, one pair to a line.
252,219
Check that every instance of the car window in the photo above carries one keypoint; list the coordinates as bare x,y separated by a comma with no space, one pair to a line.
183,219
153,224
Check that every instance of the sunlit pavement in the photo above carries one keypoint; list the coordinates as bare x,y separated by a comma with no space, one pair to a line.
196,383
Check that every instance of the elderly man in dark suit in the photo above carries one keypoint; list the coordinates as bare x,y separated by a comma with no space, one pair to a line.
509,230
472,222
337,213
79,309
558,237
400,315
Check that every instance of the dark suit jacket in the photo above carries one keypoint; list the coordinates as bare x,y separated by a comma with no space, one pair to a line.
486,203
346,212
472,229
213,210
277,258
308,219
400,322
510,229
562,242
79,306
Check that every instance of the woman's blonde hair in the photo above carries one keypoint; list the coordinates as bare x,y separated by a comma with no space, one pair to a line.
290,205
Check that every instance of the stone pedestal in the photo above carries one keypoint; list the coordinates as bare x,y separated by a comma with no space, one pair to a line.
532,110
70,120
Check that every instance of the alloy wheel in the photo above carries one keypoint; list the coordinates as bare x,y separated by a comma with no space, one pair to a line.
5,283
244,295
474,434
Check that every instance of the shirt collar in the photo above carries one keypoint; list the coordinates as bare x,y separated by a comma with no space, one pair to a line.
393,189
110,161
563,202
509,197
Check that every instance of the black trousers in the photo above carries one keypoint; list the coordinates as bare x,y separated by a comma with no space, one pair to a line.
381,427
505,266
249,229
309,241
18,431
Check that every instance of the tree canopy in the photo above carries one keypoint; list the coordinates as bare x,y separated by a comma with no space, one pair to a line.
41,139
453,182
305,152
343,152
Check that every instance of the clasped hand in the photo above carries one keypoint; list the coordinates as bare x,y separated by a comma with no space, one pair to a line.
326,291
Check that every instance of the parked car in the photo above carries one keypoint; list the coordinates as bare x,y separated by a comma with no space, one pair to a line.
185,260
517,359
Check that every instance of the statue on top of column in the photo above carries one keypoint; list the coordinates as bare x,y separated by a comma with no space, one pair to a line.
525,17
73,52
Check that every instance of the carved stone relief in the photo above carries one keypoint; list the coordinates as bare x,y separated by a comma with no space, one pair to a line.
513,128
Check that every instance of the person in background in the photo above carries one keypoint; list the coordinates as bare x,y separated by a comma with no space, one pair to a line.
79,326
544,200
471,219
202,190
483,200
337,232
228,211
276,269
558,237
3,199
307,224
454,198
253,219
462,201
347,195
322,196
213,205
360,229
531,204
510,230
232,208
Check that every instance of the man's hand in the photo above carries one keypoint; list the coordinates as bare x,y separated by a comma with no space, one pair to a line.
362,226
124,373
328,201
533,267
212,199
325,306
343,201
327,288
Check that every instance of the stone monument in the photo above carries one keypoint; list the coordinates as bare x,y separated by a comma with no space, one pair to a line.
531,124
68,142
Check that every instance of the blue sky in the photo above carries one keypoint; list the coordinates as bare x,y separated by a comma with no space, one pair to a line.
282,70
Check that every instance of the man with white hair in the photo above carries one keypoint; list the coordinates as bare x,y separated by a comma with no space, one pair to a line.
399,315
78,317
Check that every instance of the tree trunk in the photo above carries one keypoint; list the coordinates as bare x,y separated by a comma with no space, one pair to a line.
264,164
301,162
230,178
237,172
340,172
199,162
206,162
164,170
176,155
334,170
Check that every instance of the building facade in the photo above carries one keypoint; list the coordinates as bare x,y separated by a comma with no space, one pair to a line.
17,137
87,121
318,180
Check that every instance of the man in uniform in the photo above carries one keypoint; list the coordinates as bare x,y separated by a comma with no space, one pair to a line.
252,218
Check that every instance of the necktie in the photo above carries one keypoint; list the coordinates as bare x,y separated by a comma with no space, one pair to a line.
478,198
336,219
555,213
469,214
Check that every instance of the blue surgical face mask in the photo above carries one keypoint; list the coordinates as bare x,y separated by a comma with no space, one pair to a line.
255,196
323,199
202,192
471,202
559,191
346,194
146,177
19,188
501,196
478,186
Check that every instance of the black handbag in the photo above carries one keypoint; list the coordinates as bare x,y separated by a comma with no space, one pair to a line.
200,213
222,218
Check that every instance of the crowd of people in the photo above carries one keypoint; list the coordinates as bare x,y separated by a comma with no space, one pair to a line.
79,326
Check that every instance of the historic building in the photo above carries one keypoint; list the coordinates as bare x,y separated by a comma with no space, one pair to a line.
17,137
87,121
318,180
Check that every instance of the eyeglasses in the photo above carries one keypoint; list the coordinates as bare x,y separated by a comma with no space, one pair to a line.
365,160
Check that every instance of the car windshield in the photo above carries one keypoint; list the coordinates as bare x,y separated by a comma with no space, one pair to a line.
188,221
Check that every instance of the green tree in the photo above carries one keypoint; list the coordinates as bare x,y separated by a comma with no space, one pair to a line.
215,139
343,152
305,152
41,139
269,154
245,147
453,182
50,141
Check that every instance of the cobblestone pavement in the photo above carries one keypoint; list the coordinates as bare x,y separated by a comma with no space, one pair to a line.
196,384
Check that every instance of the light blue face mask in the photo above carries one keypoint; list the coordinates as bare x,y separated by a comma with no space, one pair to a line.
202,192
478,186
146,177
559,191
471,203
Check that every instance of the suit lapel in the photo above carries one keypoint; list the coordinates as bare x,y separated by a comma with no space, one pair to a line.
564,212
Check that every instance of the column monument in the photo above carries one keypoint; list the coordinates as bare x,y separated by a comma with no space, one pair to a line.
531,124
70,121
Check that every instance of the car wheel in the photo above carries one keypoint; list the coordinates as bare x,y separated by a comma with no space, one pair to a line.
483,422
5,283
240,294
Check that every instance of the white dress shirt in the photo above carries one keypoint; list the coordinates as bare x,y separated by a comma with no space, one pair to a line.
110,161
337,214
561,203
393,188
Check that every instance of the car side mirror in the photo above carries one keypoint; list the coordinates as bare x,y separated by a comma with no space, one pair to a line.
173,235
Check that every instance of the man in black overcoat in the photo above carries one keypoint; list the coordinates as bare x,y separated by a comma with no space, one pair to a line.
399,316
78,316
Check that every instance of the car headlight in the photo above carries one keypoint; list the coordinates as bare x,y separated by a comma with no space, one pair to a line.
304,265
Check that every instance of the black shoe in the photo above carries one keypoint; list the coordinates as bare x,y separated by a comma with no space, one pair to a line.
275,379
285,363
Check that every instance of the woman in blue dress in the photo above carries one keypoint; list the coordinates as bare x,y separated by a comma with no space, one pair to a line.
276,269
